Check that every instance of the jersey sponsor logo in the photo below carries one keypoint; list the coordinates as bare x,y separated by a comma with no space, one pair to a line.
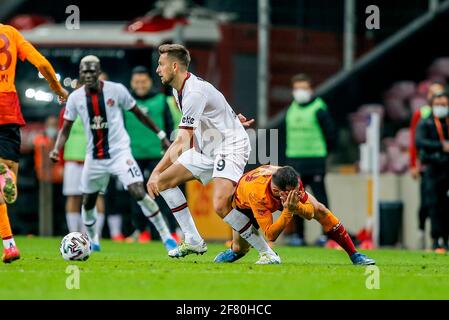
4,78
250,177
188,120
96,107
110,102
98,123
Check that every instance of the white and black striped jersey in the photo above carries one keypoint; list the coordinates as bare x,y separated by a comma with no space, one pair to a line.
102,116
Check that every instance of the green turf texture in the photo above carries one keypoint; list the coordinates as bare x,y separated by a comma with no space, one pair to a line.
144,271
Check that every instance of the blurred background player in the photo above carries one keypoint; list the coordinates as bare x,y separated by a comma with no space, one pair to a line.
310,136
417,169
117,205
267,189
13,46
49,174
100,105
73,156
432,142
145,145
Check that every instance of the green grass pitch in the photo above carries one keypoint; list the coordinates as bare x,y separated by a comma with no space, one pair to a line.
144,271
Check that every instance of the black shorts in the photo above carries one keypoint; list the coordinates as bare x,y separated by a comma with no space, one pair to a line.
10,142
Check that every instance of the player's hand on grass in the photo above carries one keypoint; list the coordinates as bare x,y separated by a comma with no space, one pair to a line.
291,201
244,121
152,187
54,155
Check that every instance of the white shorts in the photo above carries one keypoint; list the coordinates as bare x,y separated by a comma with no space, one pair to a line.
229,166
96,172
71,186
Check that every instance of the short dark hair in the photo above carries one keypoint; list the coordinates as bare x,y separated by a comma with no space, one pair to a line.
439,95
177,51
285,177
302,77
140,70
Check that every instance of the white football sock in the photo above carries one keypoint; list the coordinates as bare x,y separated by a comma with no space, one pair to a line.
100,224
89,220
242,224
73,220
178,204
151,211
115,224
7,243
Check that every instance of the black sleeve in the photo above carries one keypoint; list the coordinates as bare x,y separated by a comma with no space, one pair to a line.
168,120
328,128
423,140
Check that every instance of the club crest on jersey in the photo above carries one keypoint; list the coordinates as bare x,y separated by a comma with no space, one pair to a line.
110,102
129,162
97,123
188,120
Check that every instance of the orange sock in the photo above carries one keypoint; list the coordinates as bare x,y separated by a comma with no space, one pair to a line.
5,227
329,221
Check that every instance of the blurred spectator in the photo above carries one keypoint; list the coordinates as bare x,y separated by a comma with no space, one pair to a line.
145,145
43,143
48,173
311,134
417,170
432,141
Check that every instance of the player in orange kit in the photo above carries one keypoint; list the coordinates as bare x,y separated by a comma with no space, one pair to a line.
12,46
266,189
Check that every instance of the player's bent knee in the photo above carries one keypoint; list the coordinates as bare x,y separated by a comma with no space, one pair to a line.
221,206
167,184
89,201
137,191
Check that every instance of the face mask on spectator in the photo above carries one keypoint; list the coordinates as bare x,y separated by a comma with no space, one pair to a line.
440,111
302,96
51,132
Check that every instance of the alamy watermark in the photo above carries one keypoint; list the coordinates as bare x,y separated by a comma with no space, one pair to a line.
72,22
372,22
373,277
262,147
73,279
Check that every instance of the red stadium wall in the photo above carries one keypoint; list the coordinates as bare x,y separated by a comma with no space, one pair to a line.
292,50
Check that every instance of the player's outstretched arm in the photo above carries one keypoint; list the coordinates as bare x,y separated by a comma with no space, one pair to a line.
63,135
25,50
149,123
46,69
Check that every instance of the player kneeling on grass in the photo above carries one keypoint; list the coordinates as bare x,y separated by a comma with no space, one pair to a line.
267,189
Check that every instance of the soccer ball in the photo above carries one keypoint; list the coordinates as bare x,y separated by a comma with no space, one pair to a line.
75,246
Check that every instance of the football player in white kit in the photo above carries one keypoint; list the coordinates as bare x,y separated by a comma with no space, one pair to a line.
211,144
100,105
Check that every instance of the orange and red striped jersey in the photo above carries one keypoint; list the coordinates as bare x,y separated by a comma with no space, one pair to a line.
12,46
